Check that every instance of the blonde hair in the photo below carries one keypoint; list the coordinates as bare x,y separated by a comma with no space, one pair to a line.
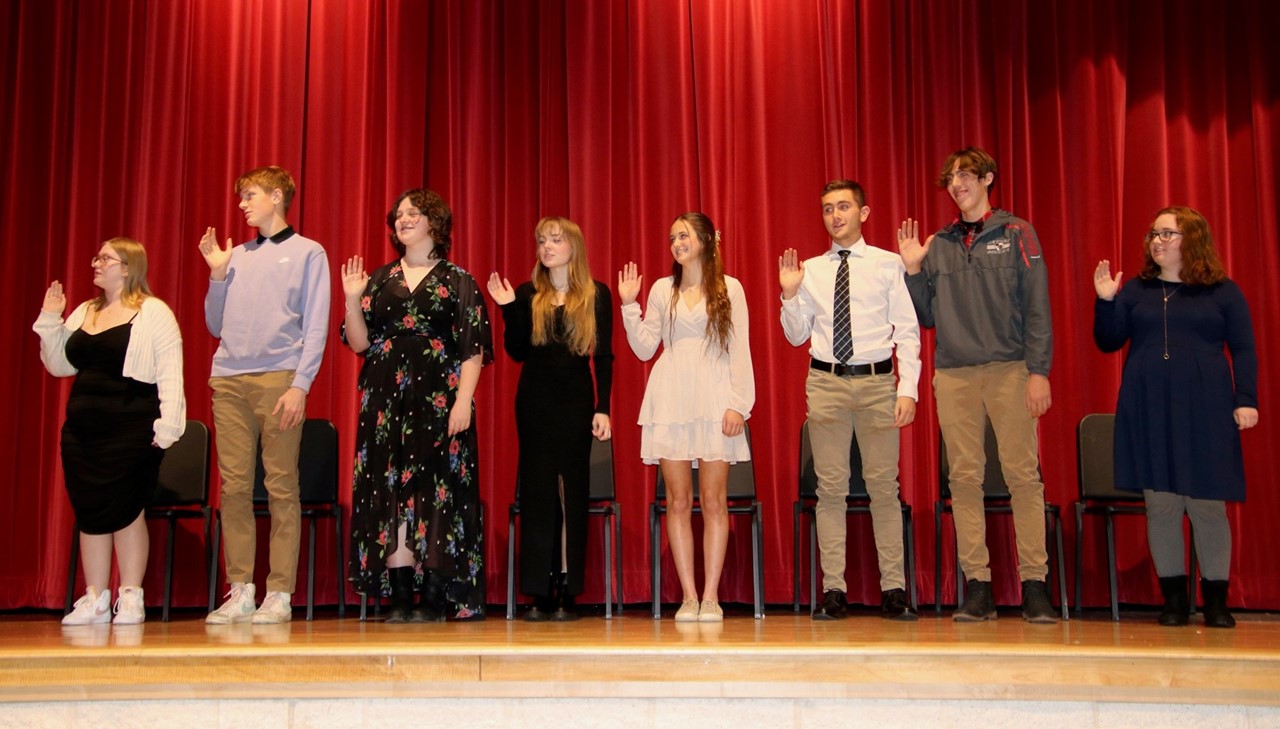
134,256
579,300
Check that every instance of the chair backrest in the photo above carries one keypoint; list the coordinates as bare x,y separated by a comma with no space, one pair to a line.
601,479
1095,453
992,479
742,479
809,476
184,471
317,465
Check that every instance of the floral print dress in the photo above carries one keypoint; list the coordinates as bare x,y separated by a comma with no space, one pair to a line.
407,468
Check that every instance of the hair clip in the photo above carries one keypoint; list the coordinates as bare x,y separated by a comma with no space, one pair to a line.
717,238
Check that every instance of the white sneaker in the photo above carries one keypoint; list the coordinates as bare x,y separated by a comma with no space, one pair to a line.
91,609
275,609
130,608
237,609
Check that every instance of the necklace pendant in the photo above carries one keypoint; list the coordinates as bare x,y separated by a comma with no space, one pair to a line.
1166,355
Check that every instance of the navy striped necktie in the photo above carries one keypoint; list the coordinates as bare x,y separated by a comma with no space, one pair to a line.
841,337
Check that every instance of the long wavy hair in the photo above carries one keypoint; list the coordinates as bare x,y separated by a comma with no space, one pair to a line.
133,255
579,301
714,291
1200,263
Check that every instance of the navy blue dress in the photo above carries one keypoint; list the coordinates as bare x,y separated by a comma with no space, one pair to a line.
1175,430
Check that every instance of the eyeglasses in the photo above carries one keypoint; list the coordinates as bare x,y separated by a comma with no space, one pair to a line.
1165,236
104,261
960,176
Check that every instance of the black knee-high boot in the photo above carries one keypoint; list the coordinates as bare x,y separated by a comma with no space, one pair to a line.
1177,609
401,579
1216,614
431,609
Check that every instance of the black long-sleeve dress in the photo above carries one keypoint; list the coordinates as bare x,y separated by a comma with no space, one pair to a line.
555,402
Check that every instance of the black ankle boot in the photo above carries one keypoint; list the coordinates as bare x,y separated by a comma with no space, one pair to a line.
1177,609
1215,604
431,608
401,579
566,606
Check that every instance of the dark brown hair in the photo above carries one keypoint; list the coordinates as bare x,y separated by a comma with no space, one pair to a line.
714,291
859,196
971,159
437,214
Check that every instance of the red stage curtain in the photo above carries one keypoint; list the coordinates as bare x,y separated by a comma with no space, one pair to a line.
134,117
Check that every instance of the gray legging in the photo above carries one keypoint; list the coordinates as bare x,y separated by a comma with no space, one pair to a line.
1209,525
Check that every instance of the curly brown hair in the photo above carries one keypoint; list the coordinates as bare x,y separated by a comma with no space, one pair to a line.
1200,263
719,309
438,215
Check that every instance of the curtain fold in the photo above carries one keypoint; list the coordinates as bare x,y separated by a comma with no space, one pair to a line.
135,117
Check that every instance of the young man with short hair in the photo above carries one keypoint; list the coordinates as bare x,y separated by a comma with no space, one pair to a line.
268,303
852,306
981,282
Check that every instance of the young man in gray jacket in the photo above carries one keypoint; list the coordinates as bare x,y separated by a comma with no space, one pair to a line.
981,282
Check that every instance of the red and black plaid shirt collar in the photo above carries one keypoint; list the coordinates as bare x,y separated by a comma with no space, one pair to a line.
971,230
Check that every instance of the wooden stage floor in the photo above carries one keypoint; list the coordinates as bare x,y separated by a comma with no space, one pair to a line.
784,655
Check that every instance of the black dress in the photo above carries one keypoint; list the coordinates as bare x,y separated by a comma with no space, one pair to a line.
555,402
1175,430
407,469
107,456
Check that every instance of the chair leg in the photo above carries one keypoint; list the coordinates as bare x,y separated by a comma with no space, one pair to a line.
655,564
1113,582
209,553
213,559
909,539
1062,571
364,602
168,567
758,562
311,568
1080,557
959,570
511,564
608,565
342,563
73,566
617,553
795,556
1192,582
813,564
937,557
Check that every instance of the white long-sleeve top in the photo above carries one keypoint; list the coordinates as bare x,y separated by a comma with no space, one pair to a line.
644,336
154,355
882,317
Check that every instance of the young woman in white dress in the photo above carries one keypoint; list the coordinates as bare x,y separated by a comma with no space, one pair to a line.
698,398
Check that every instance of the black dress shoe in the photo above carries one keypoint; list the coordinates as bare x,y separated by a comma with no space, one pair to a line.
833,607
894,605
566,610
542,609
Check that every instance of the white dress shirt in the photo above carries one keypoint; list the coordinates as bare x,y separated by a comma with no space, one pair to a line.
882,317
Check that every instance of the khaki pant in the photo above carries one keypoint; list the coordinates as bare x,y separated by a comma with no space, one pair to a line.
996,390
242,406
839,408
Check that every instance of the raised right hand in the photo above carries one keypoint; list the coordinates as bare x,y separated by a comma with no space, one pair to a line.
790,273
628,283
500,289
55,301
1106,286
910,247
218,258
354,279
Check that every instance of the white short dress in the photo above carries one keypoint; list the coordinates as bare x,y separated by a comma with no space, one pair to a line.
694,381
